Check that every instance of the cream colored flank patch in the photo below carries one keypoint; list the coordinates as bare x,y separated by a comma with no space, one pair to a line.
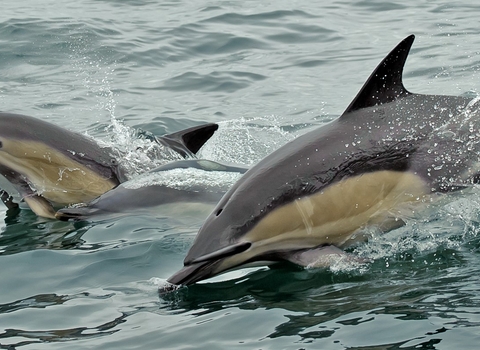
55,176
333,215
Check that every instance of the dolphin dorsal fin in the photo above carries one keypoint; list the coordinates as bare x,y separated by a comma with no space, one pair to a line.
385,83
187,142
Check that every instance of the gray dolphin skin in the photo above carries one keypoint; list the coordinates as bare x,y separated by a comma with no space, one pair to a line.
51,166
390,150
153,189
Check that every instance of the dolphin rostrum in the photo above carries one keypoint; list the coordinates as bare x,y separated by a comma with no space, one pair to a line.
389,150
50,166
184,181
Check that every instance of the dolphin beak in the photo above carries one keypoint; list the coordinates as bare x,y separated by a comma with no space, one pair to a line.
193,273
208,265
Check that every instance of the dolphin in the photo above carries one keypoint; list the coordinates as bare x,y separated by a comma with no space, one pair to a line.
390,151
51,166
169,183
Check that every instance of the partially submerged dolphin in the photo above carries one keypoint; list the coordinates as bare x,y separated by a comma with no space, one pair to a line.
184,181
389,150
50,166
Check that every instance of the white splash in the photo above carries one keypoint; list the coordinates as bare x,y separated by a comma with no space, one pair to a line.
186,179
163,285
245,140
136,154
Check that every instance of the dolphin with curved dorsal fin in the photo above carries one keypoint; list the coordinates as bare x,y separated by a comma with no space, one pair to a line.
51,166
303,203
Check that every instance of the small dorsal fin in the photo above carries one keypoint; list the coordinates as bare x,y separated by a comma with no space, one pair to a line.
385,83
187,142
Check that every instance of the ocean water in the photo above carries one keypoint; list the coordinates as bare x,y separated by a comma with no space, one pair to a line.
266,71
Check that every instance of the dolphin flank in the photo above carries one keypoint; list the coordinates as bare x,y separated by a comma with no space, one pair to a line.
390,150
155,188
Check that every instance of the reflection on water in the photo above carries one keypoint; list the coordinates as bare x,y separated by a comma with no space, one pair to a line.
44,301
25,231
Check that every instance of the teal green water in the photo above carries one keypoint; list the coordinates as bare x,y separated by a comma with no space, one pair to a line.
267,72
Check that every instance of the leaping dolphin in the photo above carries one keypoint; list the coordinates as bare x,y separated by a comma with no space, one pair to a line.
51,166
389,150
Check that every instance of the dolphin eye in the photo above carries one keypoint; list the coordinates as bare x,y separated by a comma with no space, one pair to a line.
219,211
1,144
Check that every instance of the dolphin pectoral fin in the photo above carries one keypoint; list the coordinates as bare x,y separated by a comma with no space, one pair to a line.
324,256
8,200
40,206
12,208
187,142
390,224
